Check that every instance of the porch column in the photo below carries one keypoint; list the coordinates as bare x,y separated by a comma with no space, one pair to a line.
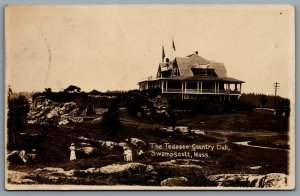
197,87
181,89
185,86
235,87
162,86
167,86
218,90
201,87
215,87
240,87
228,88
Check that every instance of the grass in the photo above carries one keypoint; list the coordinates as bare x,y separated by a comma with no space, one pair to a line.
263,129
237,121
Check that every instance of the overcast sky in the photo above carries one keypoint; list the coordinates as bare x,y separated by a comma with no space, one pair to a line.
113,47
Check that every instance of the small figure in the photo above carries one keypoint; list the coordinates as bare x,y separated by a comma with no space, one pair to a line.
128,154
72,155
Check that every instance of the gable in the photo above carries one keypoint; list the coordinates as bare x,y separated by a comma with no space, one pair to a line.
184,65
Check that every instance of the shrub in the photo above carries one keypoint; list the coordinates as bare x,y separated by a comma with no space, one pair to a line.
111,121
17,114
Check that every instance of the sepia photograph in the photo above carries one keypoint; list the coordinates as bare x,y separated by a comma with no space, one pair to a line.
149,97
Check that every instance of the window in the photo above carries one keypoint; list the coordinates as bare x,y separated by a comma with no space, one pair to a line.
203,72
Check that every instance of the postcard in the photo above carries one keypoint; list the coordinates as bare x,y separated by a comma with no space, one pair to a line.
150,97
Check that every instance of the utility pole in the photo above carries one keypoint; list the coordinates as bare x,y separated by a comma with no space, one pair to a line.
276,86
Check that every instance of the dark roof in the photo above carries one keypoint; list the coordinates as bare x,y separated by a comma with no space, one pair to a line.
174,78
199,78
219,68
209,78
185,65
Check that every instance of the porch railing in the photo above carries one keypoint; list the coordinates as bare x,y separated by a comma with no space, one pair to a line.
204,91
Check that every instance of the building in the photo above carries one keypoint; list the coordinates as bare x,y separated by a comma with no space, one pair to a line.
193,77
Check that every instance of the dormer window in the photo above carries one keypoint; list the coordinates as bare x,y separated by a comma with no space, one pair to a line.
203,72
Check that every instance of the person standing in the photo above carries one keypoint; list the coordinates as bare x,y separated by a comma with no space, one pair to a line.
73,154
128,154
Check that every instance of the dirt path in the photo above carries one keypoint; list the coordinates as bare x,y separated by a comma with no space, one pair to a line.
246,143
139,124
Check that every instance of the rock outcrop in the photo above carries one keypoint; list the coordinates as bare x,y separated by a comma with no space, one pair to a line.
143,174
272,180
118,169
177,181
45,111
275,180
181,163
16,177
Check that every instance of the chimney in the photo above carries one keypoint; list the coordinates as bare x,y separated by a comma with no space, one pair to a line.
167,62
196,52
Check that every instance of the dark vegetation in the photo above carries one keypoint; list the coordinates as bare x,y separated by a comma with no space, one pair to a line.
110,121
17,114
262,128
252,100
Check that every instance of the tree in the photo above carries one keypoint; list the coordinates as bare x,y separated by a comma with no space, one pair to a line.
173,119
72,89
263,100
48,90
95,92
17,114
110,121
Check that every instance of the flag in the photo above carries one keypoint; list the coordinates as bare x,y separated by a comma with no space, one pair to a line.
173,44
163,55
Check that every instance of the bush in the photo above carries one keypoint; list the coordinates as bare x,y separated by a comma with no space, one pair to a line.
17,114
110,121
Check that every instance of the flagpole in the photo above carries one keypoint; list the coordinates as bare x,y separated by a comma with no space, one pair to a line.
172,47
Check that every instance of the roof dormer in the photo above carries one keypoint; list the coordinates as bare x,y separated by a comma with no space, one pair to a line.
203,70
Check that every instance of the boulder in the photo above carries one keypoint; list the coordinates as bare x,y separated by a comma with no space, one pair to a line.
123,145
272,180
229,180
87,150
69,173
28,181
83,138
198,132
177,181
256,180
181,163
15,177
85,144
63,122
53,169
106,144
275,180
117,168
17,156
51,175
137,142
109,144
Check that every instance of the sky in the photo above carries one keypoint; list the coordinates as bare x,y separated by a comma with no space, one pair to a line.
113,47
